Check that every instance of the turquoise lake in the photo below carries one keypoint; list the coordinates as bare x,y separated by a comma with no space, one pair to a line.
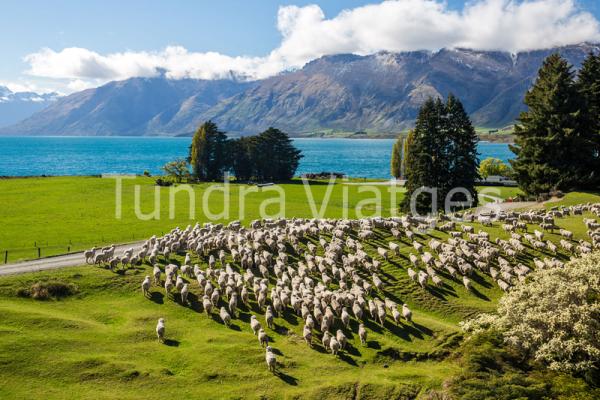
30,156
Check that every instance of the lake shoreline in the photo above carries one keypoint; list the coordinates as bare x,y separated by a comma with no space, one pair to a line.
85,156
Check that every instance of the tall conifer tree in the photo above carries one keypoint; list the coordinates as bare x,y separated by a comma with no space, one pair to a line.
588,86
395,163
464,164
551,150
209,153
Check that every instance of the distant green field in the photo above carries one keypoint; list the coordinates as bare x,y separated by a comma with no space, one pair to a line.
79,212
73,213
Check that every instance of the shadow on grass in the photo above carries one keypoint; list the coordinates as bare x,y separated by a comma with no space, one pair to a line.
171,342
290,380
157,297
373,344
346,358
479,294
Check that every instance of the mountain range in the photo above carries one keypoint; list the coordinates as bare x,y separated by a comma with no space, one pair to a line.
378,93
16,106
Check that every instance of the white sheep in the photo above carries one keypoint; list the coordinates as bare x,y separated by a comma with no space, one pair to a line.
270,358
263,339
225,317
184,294
467,283
254,324
207,304
307,335
160,330
168,286
406,313
146,285
269,317
362,334
334,346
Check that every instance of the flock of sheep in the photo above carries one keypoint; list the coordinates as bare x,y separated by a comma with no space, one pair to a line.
320,269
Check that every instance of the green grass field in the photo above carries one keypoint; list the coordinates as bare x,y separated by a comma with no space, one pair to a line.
73,213
79,212
100,343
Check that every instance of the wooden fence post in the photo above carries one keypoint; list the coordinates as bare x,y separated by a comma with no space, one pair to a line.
6,257
39,252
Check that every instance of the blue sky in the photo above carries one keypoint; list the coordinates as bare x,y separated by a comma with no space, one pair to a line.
245,28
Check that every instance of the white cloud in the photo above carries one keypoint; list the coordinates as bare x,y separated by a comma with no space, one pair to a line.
400,25
29,86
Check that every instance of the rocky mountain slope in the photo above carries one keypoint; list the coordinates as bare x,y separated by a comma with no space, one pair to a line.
375,93
16,106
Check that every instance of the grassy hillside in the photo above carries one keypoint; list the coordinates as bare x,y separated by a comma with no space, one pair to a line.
99,343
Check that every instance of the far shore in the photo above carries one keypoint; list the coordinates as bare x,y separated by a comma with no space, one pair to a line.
491,138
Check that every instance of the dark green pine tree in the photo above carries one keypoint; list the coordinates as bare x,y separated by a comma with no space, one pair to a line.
462,154
551,153
427,161
588,86
275,157
243,153
209,153
396,161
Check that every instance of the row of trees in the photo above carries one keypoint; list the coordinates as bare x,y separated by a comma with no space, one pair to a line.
557,143
441,153
268,156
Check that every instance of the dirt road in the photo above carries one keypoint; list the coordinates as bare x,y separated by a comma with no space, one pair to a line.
61,261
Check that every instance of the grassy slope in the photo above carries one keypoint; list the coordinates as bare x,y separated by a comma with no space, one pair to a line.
55,213
101,343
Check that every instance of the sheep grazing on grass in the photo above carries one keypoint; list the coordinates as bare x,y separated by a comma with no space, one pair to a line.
269,317
331,280
307,335
263,339
270,358
114,263
254,324
89,255
233,304
503,285
168,287
160,330
207,304
334,346
396,315
156,274
341,339
406,313
418,246
381,314
394,248
146,285
467,283
362,334
383,253
423,279
412,274
345,317
225,317
179,283
184,294
566,234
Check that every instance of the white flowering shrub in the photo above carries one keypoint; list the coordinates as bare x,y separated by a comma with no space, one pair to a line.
553,317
